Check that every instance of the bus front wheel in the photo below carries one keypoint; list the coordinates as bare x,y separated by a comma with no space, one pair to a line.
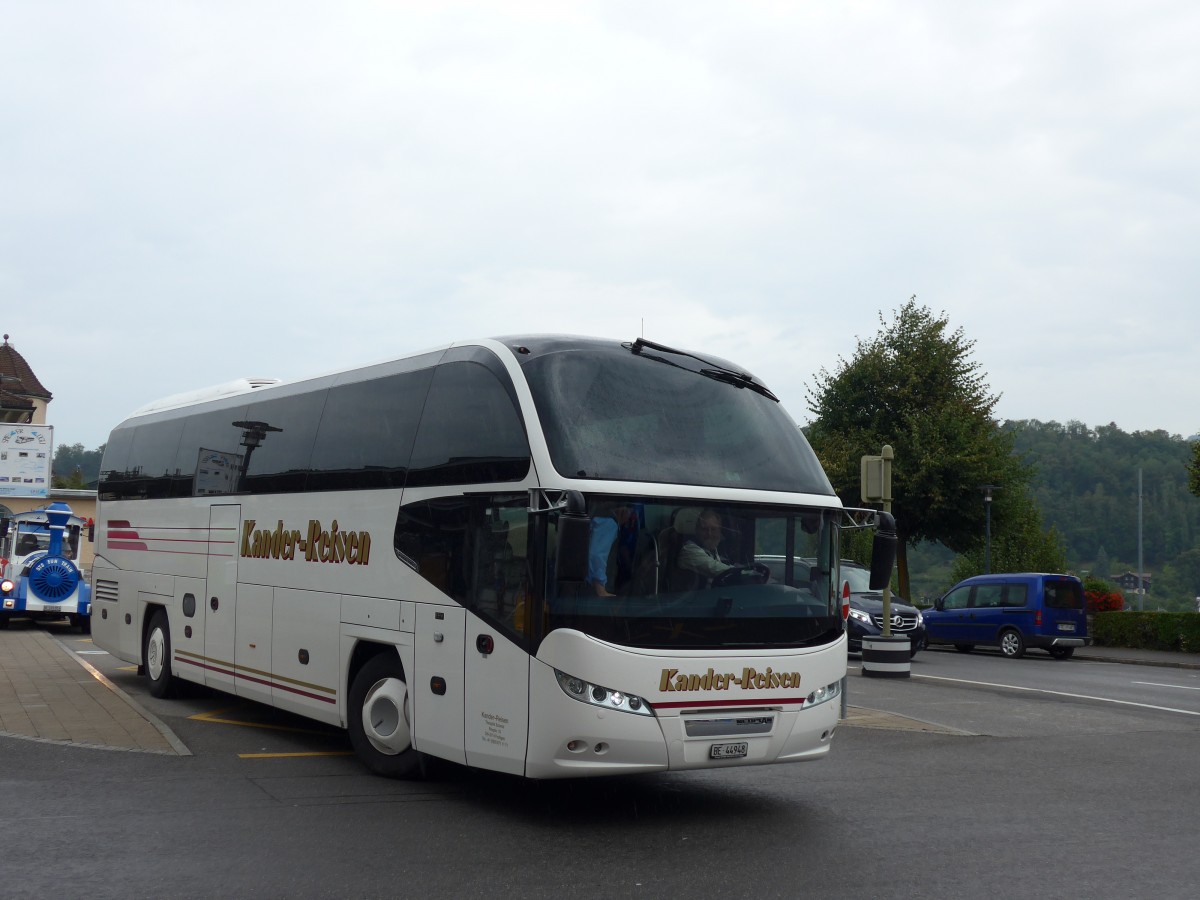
156,655
380,719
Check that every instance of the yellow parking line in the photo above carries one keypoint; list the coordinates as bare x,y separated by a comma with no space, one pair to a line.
290,755
217,716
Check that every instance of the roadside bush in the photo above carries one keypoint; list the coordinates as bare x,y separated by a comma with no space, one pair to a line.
1104,601
1148,630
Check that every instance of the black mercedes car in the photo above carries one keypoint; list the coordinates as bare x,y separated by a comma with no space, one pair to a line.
866,606
866,611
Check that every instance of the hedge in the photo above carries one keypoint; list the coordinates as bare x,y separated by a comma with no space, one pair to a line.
1147,630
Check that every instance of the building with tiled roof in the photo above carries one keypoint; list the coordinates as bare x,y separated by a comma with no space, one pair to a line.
23,399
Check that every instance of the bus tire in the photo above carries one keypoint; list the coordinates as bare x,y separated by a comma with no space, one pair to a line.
156,655
380,719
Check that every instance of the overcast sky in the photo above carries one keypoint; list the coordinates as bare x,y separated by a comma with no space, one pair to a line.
195,192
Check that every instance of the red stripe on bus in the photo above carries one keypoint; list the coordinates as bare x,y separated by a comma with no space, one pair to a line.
757,701
220,670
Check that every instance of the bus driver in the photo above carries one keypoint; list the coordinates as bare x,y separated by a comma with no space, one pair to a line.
701,553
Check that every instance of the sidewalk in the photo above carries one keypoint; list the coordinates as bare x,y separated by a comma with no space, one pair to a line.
48,693
1167,658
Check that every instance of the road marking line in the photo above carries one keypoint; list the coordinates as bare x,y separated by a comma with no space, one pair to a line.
1014,687
1182,687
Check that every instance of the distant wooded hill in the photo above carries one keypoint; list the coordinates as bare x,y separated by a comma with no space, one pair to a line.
1086,484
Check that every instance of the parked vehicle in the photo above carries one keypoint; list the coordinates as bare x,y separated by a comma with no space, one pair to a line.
866,611
1012,611
865,617
39,572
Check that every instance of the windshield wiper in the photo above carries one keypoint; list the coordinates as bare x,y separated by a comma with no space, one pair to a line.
714,371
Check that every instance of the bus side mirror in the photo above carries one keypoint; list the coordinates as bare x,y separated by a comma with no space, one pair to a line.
574,536
883,551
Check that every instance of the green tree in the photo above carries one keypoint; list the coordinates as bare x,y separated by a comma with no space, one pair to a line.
74,464
1178,585
1194,470
914,386
1022,546
74,481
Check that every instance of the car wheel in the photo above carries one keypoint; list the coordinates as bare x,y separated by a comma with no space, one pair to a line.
380,714
1062,652
1012,644
964,648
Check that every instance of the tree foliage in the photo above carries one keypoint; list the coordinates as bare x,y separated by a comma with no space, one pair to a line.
1024,545
75,467
914,386
1193,470
1086,484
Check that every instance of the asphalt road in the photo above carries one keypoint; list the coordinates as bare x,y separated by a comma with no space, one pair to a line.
1038,785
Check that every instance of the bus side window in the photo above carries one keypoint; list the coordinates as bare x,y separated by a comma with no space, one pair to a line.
472,549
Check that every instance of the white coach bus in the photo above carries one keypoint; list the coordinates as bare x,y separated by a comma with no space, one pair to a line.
535,555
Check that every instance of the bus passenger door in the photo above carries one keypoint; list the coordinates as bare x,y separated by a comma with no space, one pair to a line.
497,707
437,694
221,596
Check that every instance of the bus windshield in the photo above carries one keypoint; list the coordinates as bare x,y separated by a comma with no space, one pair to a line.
609,413
668,575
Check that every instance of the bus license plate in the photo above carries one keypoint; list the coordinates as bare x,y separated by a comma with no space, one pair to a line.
1066,626
51,608
728,751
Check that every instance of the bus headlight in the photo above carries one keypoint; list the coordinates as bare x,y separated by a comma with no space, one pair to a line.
824,694
596,695
6,585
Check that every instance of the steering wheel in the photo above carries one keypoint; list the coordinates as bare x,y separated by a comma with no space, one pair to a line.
756,573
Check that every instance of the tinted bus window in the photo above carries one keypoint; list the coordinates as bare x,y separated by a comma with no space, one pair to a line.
277,436
114,465
210,450
471,432
610,414
366,434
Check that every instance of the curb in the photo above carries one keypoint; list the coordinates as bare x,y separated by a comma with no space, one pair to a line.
168,735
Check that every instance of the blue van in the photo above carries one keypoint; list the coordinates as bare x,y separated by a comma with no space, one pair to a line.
1012,611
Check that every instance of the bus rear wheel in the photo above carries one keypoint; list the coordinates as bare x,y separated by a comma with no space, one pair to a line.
380,719
156,655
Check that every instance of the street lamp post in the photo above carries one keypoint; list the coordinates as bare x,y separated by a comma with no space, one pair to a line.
987,532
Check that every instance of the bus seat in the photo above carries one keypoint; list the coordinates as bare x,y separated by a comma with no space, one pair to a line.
670,541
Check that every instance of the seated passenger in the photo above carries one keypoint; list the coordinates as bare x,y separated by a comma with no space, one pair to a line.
701,553
606,525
